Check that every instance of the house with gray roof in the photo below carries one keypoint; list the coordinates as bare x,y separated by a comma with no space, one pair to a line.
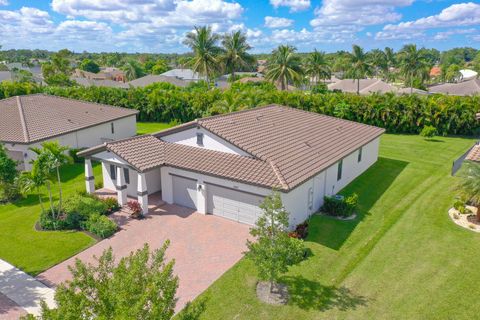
29,120
464,88
183,74
225,165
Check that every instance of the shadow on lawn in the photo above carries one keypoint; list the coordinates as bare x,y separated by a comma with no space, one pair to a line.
370,187
311,295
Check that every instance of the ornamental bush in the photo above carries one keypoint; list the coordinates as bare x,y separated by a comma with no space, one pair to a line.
100,226
340,206
428,132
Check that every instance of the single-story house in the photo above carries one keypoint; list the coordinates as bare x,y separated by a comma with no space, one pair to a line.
226,164
151,79
85,82
184,74
464,88
27,121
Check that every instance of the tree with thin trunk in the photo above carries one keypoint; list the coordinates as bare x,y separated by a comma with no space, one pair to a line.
469,185
360,66
413,65
236,54
203,43
317,66
391,63
28,182
49,160
284,66
273,251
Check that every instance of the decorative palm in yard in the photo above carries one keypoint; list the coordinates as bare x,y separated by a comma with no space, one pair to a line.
203,43
360,65
317,66
236,54
413,65
284,66
470,185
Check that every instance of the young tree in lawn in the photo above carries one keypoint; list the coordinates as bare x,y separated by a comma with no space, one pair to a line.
29,181
141,286
470,185
273,251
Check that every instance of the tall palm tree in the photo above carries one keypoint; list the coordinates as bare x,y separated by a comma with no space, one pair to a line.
235,52
317,66
378,60
391,62
203,43
360,66
470,185
413,65
132,70
284,66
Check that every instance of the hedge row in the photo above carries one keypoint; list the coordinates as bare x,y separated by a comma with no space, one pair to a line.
165,103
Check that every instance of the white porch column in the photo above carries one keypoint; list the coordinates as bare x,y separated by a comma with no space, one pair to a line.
142,193
201,197
89,178
121,187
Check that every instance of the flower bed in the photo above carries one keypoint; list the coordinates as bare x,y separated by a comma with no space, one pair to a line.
465,218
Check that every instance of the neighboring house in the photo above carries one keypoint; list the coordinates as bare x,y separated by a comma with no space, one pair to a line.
183,74
151,79
464,88
225,165
367,86
100,83
112,74
435,72
27,121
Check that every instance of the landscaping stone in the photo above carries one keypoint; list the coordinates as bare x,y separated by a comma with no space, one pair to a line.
467,221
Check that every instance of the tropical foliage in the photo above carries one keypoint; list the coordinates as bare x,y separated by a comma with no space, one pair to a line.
8,176
469,185
284,67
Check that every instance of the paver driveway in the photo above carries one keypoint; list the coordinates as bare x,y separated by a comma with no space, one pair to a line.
9,310
203,246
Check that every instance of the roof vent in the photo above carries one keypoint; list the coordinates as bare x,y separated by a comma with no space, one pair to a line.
307,144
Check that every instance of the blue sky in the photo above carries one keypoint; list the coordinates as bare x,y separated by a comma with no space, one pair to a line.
160,25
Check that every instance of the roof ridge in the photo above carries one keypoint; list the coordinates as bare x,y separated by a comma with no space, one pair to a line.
279,175
22,119
239,111
129,138
372,84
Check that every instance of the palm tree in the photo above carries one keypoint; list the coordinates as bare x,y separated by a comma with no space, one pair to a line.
413,65
203,43
470,185
317,66
235,52
57,157
359,65
284,66
391,62
132,70
28,181
379,61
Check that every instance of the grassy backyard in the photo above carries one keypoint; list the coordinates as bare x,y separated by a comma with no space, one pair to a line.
402,258
34,251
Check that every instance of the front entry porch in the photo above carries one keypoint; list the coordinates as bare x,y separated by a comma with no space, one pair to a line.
129,184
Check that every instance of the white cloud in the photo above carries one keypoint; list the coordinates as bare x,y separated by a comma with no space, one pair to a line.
24,21
357,12
277,22
294,5
461,14
444,35
3,2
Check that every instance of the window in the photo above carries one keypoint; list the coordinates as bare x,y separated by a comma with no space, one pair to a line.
112,127
339,172
360,154
126,173
113,172
200,139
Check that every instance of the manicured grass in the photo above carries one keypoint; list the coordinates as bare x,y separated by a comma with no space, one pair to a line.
35,251
151,127
402,258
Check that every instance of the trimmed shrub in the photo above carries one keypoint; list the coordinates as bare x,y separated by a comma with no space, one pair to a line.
100,226
136,209
428,132
47,221
340,206
84,206
112,205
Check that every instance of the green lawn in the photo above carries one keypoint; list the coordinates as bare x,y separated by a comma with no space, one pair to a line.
402,258
35,251
151,127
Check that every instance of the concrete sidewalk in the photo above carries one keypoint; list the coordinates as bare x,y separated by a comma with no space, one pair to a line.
24,290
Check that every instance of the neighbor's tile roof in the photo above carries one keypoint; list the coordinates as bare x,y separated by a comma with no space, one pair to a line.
367,86
464,88
287,146
30,118
150,79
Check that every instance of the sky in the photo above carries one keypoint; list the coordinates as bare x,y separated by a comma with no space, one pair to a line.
159,26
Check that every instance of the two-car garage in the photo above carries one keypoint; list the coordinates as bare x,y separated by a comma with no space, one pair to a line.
221,201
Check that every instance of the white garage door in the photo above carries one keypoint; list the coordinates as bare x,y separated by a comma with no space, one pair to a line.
185,191
233,204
